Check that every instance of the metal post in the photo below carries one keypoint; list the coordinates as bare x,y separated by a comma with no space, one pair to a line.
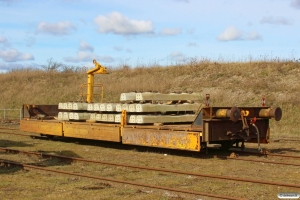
4,114
20,113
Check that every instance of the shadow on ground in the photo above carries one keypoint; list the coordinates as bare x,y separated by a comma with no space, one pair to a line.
45,161
10,143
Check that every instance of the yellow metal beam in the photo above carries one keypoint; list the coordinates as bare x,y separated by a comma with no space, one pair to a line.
43,127
92,131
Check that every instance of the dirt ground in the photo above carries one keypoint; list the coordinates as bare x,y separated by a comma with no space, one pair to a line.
17,183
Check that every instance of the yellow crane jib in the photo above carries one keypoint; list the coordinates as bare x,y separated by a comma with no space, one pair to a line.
99,69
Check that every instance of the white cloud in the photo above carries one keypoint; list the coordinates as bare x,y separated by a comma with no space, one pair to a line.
249,23
4,67
178,56
272,20
295,4
83,56
85,47
106,59
171,31
192,44
253,35
118,24
8,2
59,28
231,33
185,1
14,56
4,41
191,31
118,48
30,41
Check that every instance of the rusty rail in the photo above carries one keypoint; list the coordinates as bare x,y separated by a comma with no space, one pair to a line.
243,152
294,140
267,154
283,155
24,166
15,129
156,169
265,161
19,134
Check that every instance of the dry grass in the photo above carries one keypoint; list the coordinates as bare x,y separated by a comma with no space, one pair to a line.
21,184
228,83
239,84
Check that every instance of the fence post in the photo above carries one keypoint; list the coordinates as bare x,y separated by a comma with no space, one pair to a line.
20,113
4,114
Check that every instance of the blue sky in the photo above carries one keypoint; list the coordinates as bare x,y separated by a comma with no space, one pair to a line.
135,32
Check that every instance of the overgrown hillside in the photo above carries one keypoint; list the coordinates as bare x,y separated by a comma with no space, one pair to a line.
229,84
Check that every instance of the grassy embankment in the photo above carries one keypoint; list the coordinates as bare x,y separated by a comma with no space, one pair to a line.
229,84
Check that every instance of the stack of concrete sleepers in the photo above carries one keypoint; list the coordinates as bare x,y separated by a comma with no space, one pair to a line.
145,113
139,108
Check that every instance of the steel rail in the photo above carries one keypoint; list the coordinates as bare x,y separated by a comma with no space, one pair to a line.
16,129
24,166
265,161
244,152
266,154
19,134
282,155
226,157
157,169
286,139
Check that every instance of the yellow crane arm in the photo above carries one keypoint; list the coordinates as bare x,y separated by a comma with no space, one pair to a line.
99,69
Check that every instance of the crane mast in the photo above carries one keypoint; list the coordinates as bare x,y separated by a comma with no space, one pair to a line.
99,69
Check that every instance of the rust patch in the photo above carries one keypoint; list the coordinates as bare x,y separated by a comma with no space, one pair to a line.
182,140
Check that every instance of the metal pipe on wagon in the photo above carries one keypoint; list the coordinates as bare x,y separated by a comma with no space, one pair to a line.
234,113
275,113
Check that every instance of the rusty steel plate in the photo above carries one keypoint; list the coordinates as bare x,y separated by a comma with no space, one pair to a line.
182,140
92,131
220,130
32,111
42,127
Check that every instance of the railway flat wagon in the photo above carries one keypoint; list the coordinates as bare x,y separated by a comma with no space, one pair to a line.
175,121
211,125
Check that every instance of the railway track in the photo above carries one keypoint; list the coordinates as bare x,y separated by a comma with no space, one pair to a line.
25,166
151,168
19,134
274,140
236,157
290,140
15,129
266,153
